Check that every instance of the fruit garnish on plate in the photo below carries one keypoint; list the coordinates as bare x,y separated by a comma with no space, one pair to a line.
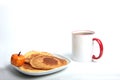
17,59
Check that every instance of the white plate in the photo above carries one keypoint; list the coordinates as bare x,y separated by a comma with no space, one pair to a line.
45,72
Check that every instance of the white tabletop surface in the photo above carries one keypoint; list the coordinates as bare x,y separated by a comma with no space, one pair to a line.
75,71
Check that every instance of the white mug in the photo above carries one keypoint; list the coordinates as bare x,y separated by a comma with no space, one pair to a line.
82,46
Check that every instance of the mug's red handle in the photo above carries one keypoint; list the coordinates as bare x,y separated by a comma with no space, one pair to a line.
101,48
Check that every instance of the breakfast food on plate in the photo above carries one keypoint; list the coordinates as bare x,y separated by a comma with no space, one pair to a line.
41,61
29,55
17,59
46,62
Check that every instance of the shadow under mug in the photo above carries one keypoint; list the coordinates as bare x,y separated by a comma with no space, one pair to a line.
82,46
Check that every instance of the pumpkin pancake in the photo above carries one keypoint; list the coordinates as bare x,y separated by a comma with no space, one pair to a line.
29,68
41,61
29,55
45,62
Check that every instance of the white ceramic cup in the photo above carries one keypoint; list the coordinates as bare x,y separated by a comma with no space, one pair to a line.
82,46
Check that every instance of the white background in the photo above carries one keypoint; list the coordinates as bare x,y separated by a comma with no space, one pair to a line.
46,25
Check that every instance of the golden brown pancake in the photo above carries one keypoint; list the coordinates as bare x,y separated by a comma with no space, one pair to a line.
27,67
41,61
29,55
45,62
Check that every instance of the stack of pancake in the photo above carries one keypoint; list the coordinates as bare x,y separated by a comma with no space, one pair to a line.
41,61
